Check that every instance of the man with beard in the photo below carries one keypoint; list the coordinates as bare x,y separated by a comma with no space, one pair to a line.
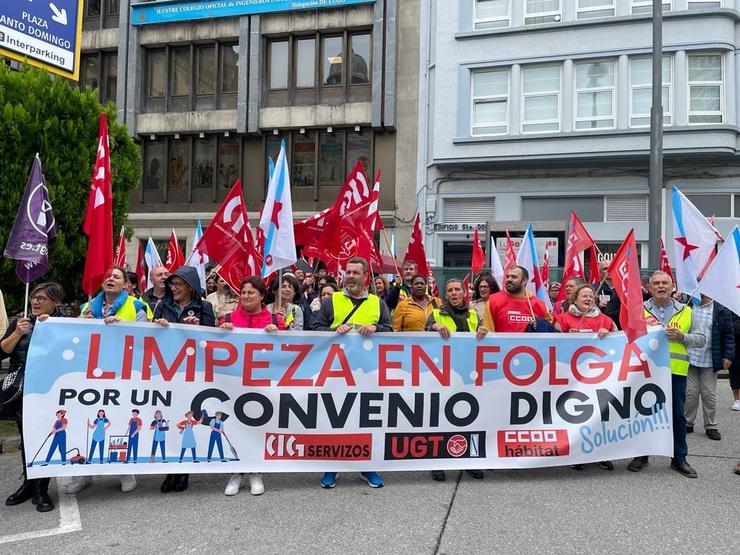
401,288
512,309
353,308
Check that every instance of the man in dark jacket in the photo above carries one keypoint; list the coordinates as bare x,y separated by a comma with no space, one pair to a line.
182,302
705,362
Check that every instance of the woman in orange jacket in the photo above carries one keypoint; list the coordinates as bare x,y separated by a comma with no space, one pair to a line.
412,313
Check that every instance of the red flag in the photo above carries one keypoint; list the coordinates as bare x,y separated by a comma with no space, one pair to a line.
119,259
479,257
98,224
141,267
226,240
545,270
510,258
578,241
367,247
433,287
466,287
625,274
594,275
175,256
665,264
416,251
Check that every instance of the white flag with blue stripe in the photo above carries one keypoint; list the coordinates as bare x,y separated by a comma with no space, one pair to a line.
721,281
527,258
152,259
197,259
277,220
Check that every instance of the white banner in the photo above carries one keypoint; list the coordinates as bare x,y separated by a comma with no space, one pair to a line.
141,399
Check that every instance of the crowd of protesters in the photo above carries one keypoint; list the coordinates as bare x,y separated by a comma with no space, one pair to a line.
702,335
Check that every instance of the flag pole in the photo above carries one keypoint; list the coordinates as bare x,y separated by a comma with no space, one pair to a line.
25,303
280,290
390,250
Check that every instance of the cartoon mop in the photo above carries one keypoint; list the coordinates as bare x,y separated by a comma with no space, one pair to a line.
44,443
233,451
224,417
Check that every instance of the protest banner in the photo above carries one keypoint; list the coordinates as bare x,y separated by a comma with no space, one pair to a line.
205,400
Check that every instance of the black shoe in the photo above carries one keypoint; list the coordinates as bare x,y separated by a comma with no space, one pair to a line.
637,464
44,504
181,482
606,465
438,475
169,484
21,495
684,468
477,474
689,428
576,466
714,434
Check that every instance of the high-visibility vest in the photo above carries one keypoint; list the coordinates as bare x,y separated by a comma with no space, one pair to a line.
368,313
678,351
449,323
127,312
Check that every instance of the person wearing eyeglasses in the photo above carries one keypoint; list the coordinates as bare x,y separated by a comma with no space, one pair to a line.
45,300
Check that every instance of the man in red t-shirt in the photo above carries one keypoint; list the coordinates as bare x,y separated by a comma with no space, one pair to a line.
510,310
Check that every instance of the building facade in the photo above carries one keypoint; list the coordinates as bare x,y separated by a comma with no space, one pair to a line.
210,99
532,108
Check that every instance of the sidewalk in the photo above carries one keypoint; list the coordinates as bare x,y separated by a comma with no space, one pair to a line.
552,510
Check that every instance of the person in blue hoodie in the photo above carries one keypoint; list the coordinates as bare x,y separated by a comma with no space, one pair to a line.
182,304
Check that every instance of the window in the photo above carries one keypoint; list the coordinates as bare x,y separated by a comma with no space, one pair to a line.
541,103
588,9
359,147
595,95
101,14
490,111
331,73
278,65
542,11
705,88
713,205
641,93
646,6
703,4
195,77
590,209
360,49
331,159
100,71
201,169
303,169
305,66
491,14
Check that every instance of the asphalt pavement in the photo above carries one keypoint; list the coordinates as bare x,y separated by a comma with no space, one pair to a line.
552,510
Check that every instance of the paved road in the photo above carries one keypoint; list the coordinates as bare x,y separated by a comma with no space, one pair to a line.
548,510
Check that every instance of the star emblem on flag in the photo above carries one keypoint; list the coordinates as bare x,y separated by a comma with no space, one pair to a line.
687,247
275,217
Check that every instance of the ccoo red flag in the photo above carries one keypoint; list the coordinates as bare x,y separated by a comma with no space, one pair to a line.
98,224
479,257
119,258
578,241
625,274
665,264
228,242
175,256
545,270
366,247
510,257
416,251
141,267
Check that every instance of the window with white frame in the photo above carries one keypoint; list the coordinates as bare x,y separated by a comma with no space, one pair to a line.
541,99
595,95
588,9
542,11
703,4
491,14
490,102
705,88
646,6
641,91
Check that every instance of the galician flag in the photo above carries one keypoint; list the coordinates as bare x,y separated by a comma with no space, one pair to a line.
527,258
277,220
694,239
497,270
721,281
152,259
197,259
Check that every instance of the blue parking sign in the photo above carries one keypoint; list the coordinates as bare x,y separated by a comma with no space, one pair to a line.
44,33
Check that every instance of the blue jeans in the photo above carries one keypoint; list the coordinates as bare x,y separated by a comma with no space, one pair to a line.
133,447
680,448
215,440
92,449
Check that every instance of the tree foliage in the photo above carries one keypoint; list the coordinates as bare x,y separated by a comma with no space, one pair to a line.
45,115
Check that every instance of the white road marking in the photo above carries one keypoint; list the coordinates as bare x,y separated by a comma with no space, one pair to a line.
69,520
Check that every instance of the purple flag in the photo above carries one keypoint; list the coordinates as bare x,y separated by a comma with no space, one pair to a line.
28,243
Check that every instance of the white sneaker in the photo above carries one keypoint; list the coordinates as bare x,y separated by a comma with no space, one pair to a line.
235,482
128,483
735,405
256,485
77,484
